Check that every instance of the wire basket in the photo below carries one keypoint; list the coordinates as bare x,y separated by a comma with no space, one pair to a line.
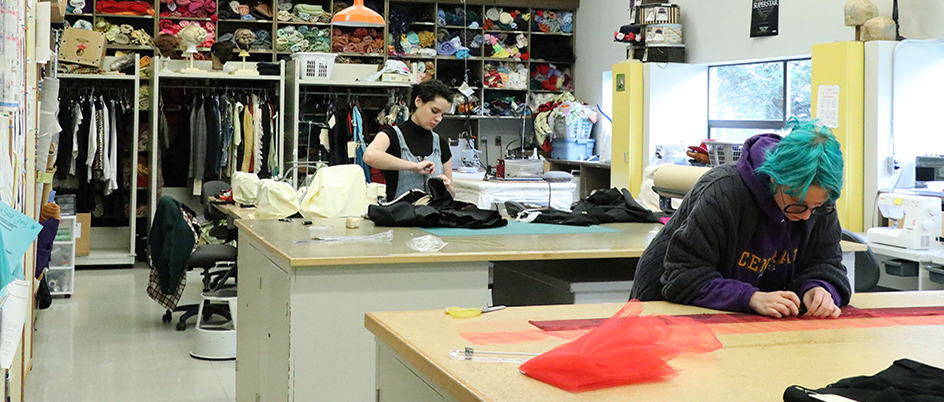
315,65
721,152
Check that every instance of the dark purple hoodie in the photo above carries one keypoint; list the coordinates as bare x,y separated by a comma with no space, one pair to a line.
766,262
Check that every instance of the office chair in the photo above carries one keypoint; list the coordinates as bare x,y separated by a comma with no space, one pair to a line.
866,267
173,233
211,214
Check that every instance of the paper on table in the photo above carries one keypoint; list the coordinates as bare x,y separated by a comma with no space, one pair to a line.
12,320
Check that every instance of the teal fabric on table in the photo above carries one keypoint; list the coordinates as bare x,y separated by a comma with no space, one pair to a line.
521,228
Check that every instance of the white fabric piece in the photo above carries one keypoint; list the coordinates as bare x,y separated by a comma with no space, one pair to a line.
245,187
472,189
257,137
77,121
391,66
110,166
92,141
275,200
337,191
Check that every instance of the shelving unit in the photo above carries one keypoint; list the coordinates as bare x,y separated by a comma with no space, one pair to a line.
61,274
209,79
115,245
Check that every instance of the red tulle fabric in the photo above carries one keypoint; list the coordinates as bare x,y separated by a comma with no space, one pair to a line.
625,349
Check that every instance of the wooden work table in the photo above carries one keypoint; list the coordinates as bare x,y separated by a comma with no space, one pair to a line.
413,362
302,302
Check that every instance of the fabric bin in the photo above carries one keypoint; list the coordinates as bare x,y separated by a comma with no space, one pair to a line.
572,150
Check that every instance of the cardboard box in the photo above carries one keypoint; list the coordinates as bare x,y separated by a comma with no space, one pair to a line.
82,46
83,232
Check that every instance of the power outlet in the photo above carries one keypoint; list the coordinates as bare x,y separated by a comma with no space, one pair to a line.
893,163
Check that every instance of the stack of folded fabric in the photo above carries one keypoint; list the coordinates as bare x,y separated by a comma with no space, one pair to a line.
459,43
506,46
505,75
549,21
263,40
459,17
359,40
498,18
421,43
123,34
188,8
80,24
124,7
79,7
548,77
499,104
303,39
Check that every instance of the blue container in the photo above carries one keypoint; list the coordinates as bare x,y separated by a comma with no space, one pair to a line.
572,150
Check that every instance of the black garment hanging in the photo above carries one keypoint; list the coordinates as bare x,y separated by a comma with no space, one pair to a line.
214,139
266,111
338,137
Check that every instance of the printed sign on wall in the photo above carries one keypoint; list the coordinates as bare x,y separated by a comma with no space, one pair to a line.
765,18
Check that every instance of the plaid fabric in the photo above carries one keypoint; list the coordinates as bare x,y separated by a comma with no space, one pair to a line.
169,301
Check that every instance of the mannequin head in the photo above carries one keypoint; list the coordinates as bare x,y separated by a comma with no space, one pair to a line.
191,36
222,52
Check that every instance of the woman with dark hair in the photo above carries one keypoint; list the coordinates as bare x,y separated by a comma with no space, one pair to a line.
410,152
760,235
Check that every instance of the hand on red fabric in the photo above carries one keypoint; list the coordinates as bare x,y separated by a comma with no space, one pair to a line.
777,304
819,304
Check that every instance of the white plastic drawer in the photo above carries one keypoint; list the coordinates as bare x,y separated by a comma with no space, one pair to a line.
62,255
59,281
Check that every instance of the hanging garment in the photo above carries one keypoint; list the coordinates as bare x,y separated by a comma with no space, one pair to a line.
357,131
226,130
92,139
434,210
198,140
265,124
249,140
338,138
257,134
236,155
214,139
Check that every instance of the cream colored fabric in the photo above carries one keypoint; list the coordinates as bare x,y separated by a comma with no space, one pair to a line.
375,191
276,200
245,187
337,191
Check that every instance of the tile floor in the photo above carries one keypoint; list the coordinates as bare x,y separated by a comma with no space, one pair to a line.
107,343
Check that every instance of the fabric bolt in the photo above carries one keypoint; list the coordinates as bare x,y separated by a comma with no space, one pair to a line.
131,7
446,48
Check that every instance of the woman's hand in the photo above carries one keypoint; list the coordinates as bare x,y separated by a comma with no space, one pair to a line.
424,167
449,186
819,304
777,304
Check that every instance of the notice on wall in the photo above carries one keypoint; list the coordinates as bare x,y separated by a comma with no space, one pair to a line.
827,105
765,18
12,320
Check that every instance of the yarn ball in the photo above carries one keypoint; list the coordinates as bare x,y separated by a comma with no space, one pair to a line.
50,210
166,43
859,11
880,28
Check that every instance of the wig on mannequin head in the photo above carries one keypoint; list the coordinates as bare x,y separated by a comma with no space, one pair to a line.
244,38
166,43
223,51
192,35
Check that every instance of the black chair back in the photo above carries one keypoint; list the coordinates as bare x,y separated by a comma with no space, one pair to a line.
867,266
211,189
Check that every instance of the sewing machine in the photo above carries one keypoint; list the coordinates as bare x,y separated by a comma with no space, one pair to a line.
915,221
466,155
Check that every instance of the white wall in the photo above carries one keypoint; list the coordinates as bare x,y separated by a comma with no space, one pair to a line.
676,101
718,31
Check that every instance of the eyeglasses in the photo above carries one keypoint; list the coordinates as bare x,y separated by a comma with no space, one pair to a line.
799,208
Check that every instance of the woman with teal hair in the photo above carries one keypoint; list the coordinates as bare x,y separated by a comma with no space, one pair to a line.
759,235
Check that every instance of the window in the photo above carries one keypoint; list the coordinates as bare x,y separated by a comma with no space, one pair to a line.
753,98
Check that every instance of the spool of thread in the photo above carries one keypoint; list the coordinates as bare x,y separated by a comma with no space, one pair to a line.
353,223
